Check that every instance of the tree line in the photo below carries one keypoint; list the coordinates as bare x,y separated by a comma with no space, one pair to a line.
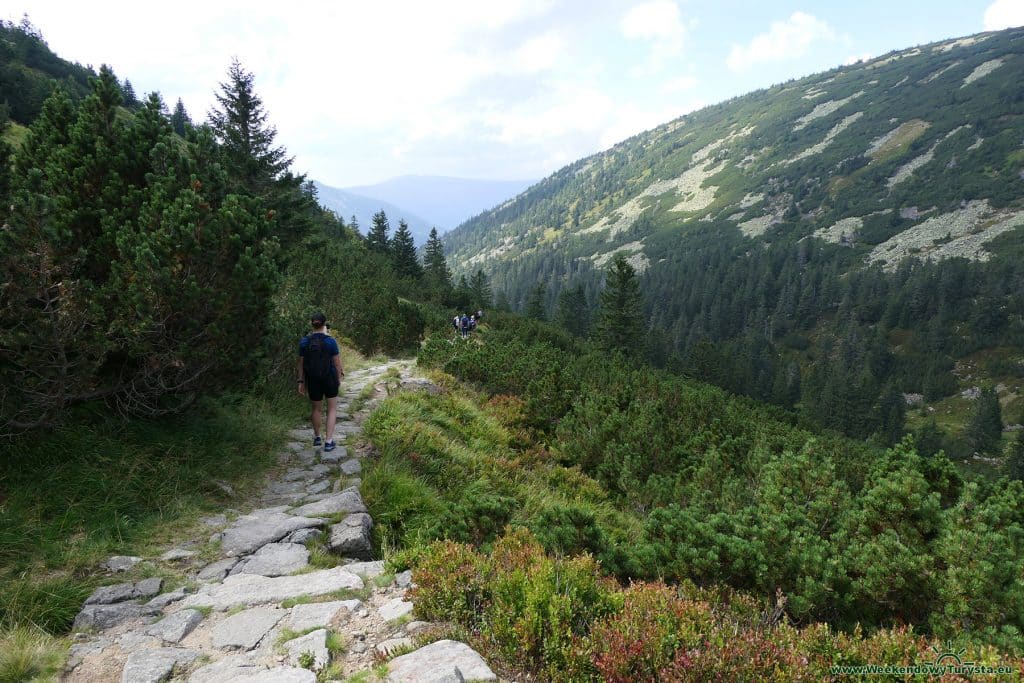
148,260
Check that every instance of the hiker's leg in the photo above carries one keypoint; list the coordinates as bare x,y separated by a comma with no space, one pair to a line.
316,418
332,417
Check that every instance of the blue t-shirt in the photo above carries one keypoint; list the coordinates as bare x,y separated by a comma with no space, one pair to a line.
329,343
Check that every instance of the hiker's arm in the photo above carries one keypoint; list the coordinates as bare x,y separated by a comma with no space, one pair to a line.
301,377
337,365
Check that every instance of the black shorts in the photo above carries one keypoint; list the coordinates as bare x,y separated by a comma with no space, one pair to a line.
317,389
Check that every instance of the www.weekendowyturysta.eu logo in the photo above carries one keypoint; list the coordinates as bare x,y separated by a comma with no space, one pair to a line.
948,660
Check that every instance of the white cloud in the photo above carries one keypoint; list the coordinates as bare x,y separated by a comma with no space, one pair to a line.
539,53
853,59
1004,14
661,24
655,19
680,84
784,40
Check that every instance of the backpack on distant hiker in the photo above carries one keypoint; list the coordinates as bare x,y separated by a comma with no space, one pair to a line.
318,363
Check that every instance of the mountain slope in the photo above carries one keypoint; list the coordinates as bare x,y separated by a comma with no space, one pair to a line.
29,70
347,204
445,201
875,208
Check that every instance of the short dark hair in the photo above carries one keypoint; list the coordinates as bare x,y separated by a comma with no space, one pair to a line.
318,319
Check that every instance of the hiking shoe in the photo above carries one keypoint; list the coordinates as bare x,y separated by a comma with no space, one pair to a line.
317,441
329,446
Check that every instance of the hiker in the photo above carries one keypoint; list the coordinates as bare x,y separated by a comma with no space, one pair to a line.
456,323
464,325
320,374
472,323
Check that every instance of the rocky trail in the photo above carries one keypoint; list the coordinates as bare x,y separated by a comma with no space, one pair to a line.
252,608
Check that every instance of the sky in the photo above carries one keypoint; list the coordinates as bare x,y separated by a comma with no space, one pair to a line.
494,89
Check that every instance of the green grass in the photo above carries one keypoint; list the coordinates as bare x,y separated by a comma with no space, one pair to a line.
360,401
29,655
336,643
341,594
291,634
449,467
101,486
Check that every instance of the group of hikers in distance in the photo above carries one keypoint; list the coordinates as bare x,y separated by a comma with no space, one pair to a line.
464,324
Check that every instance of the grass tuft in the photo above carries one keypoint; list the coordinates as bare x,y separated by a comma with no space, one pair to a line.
29,655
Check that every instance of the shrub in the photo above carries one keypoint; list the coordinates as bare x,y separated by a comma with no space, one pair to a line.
642,640
450,584
538,606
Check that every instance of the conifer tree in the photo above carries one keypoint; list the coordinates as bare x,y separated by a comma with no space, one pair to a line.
462,296
480,289
240,125
891,414
1015,458
131,100
573,313
129,259
378,239
985,428
354,224
929,438
403,253
619,320
180,120
535,304
256,166
438,277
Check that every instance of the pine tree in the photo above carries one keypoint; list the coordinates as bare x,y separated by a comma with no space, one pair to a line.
619,320
891,414
536,307
377,239
480,290
403,253
354,224
438,277
1015,458
131,101
180,120
573,313
462,297
929,438
985,429
255,166
127,257
240,125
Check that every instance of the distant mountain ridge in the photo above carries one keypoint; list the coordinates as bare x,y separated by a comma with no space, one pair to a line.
444,201
347,204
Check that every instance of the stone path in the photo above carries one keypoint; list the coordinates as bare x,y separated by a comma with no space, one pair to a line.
253,609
